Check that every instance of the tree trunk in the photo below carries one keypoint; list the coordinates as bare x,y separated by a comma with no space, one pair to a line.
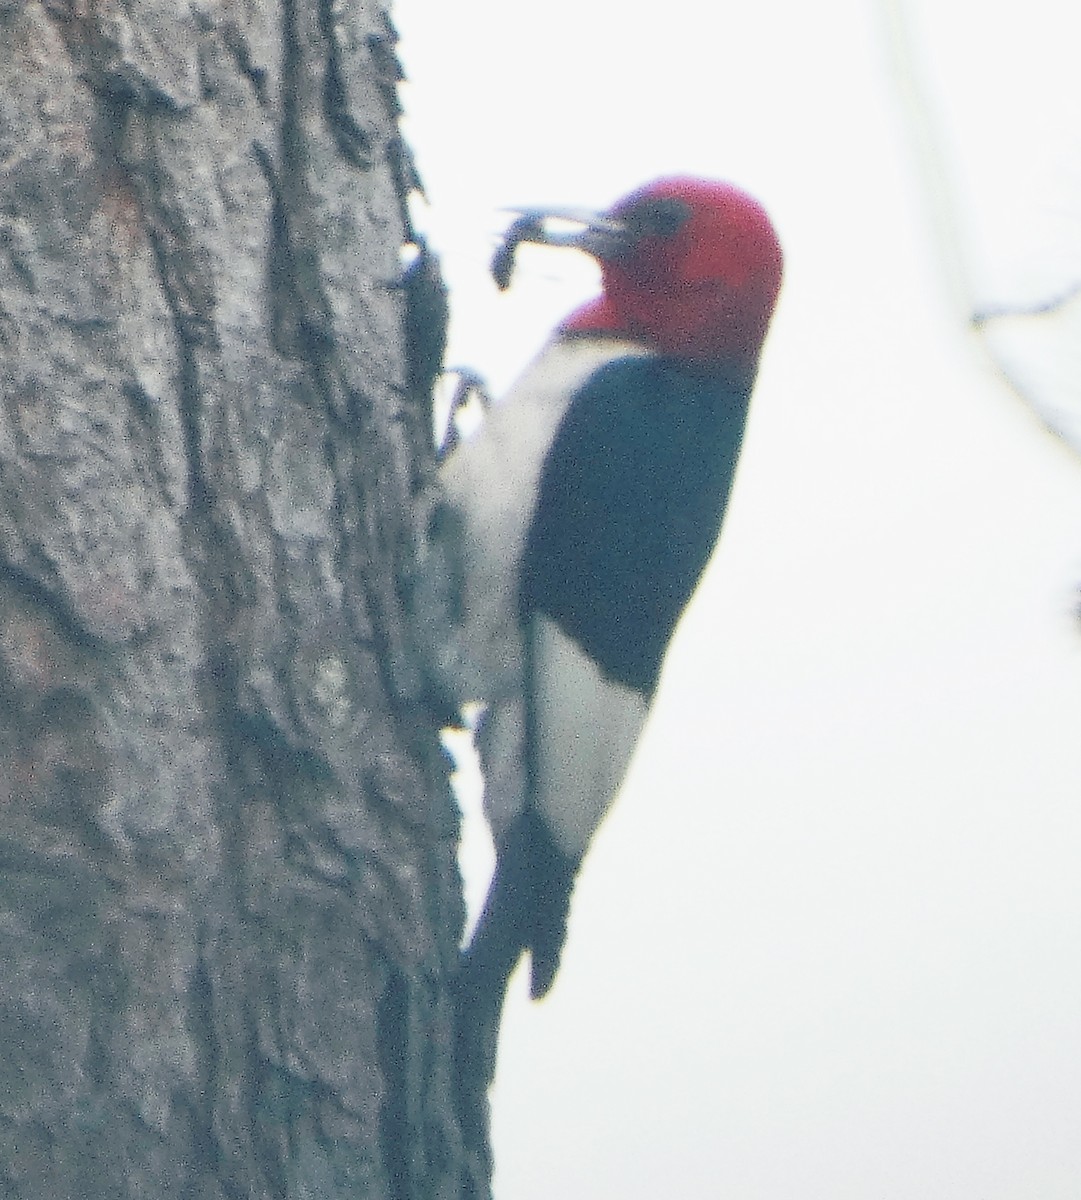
229,902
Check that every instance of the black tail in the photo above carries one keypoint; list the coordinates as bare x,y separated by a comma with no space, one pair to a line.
526,909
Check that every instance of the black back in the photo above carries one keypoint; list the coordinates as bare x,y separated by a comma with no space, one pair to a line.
630,503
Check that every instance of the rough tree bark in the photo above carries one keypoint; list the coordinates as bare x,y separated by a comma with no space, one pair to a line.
229,903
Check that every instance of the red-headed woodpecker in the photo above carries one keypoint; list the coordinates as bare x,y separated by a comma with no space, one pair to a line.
576,526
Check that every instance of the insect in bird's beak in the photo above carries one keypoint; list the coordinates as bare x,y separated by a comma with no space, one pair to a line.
597,234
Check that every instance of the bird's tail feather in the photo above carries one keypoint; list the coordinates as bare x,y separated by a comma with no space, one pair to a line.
526,909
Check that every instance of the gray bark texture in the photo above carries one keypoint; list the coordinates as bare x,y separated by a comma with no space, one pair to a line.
229,901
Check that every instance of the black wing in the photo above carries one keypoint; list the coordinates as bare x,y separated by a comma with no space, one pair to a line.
629,508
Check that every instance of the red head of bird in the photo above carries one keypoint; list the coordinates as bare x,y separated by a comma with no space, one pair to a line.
690,266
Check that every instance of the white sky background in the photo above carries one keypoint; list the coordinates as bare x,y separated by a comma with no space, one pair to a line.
828,945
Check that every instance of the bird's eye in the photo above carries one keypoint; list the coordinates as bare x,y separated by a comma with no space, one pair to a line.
656,216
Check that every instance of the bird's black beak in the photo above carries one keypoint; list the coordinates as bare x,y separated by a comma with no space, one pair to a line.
597,234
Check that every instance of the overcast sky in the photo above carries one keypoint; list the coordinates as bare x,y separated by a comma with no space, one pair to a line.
827,944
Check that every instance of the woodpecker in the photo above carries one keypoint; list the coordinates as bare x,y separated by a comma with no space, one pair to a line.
575,526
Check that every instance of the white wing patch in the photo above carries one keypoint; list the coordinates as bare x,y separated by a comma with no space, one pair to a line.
586,727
